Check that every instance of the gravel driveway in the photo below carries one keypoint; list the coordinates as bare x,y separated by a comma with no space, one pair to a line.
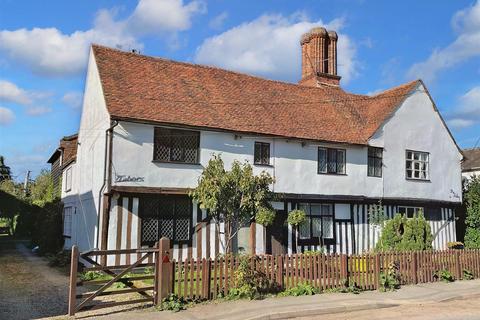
29,289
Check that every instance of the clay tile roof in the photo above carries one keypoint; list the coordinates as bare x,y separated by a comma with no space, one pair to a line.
471,159
143,88
69,147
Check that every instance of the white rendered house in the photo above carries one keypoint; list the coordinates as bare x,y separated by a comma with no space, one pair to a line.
150,125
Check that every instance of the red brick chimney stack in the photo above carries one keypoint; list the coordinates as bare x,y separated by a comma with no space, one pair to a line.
319,58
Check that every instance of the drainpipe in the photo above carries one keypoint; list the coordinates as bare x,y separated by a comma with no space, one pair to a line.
107,180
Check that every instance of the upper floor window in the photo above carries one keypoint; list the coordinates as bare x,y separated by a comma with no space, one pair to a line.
165,216
417,165
319,221
375,156
174,145
331,160
262,153
68,179
409,211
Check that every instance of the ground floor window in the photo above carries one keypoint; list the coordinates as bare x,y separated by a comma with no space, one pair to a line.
165,216
67,221
319,222
409,211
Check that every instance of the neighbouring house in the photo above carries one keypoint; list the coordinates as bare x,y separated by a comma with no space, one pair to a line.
150,125
471,163
63,162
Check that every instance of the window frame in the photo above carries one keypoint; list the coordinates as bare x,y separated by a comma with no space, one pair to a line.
328,153
320,239
70,211
374,158
173,216
420,162
68,179
171,132
415,210
262,146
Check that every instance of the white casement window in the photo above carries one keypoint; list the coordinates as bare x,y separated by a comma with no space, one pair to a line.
417,165
331,161
67,221
68,179
409,211
319,221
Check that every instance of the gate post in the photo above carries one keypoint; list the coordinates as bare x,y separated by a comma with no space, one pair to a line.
162,271
72,294
458,266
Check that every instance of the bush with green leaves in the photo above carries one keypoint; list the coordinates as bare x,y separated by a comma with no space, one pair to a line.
301,289
444,275
467,274
296,218
173,303
250,283
405,234
390,278
472,221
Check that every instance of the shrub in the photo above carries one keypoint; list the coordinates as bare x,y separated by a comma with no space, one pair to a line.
472,221
404,234
467,274
249,283
390,278
301,289
173,303
455,245
444,275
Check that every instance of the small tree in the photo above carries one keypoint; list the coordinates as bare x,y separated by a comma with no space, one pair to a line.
296,218
472,221
234,197
5,172
403,234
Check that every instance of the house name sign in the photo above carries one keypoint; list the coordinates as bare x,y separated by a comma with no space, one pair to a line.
126,178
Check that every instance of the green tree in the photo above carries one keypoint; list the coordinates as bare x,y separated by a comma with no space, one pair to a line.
5,172
296,218
42,190
235,198
472,221
404,234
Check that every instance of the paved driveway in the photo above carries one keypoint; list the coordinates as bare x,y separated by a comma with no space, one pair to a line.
29,289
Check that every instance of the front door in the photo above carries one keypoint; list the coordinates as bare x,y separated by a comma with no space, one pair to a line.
277,234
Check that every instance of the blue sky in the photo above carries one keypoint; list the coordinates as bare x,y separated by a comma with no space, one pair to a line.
44,46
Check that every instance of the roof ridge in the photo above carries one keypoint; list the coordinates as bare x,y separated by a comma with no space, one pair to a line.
403,85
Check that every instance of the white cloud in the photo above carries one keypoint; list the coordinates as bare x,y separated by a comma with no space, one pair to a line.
38,110
73,98
10,92
218,21
270,46
468,112
466,46
6,116
49,52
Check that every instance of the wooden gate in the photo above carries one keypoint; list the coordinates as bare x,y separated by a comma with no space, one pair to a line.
125,274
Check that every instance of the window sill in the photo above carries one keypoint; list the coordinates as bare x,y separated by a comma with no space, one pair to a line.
418,180
374,176
177,162
263,165
331,174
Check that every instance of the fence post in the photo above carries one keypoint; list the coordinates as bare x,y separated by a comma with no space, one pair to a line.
72,294
280,272
414,267
377,270
162,271
344,267
458,267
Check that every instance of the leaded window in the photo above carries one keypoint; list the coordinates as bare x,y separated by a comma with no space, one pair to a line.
410,212
331,160
165,216
375,156
262,153
319,221
417,165
174,145
67,221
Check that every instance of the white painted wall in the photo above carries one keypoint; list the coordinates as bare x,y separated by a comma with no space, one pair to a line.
417,126
90,159
469,174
